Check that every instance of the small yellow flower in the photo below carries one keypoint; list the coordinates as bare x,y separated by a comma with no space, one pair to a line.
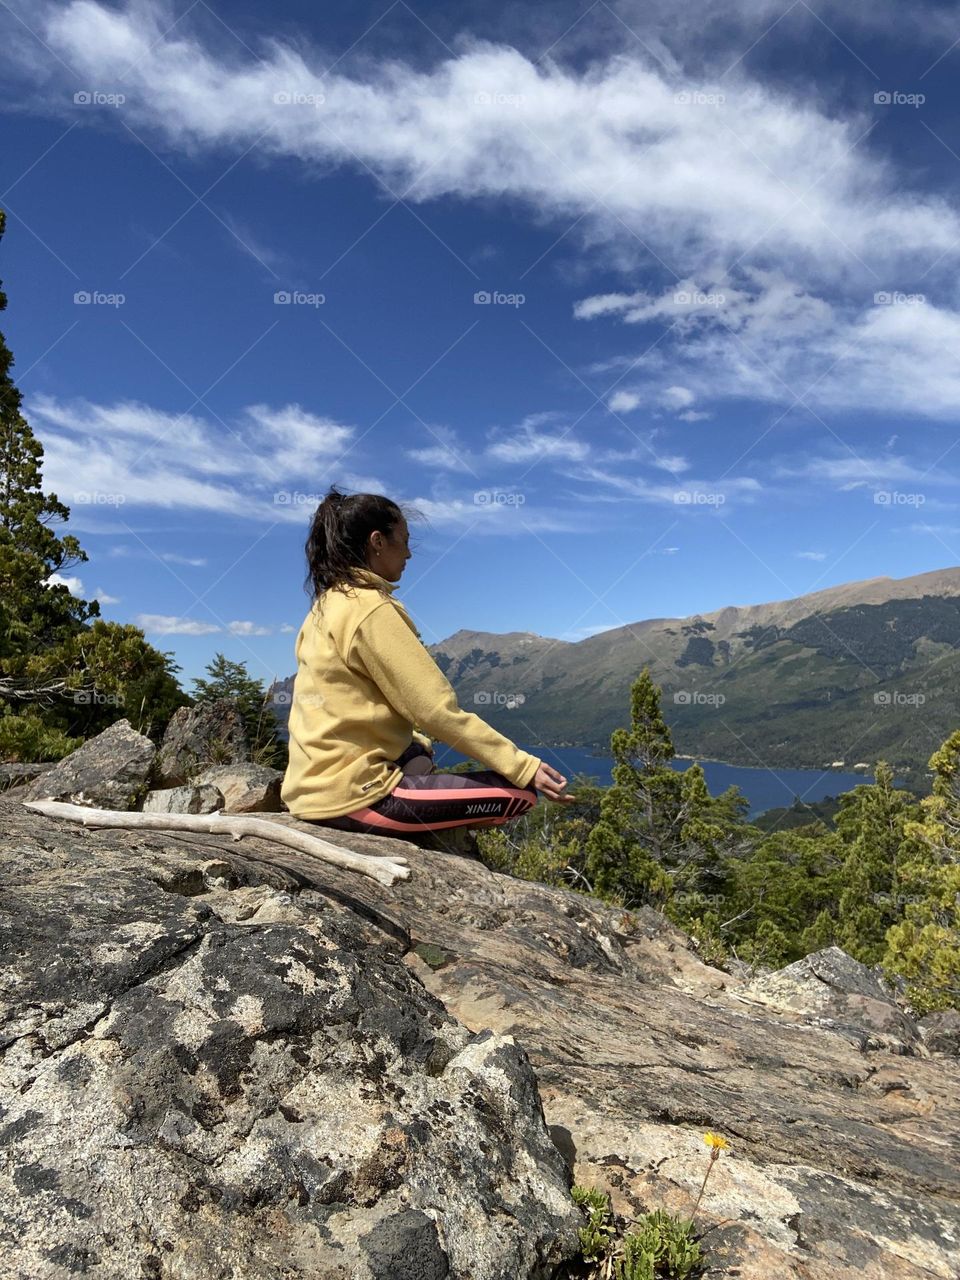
716,1140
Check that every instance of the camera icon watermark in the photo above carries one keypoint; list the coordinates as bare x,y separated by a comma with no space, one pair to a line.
95,298
294,498
95,497
697,298
698,498
94,698
895,698
495,298
291,98
894,98
498,498
894,298
297,298
699,98
485,99
894,498
97,98
498,698
696,698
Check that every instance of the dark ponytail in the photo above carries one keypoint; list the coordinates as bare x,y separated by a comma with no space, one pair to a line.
337,543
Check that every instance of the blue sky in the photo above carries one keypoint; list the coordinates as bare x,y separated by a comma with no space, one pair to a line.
720,359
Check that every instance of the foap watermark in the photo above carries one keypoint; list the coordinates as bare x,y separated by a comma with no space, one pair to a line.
497,698
494,298
294,498
894,498
95,698
486,99
697,298
498,498
894,298
895,698
95,298
894,98
293,98
97,98
699,498
97,498
297,298
699,98
697,698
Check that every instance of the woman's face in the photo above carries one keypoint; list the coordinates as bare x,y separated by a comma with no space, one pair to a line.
388,556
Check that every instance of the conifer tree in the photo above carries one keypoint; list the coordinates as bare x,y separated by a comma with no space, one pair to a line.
36,615
871,823
924,948
659,830
229,679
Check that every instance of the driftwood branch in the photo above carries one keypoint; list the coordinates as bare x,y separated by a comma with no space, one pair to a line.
385,870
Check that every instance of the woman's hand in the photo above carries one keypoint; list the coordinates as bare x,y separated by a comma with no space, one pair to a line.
551,784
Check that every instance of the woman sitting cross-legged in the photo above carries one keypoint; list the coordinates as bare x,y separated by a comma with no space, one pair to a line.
367,694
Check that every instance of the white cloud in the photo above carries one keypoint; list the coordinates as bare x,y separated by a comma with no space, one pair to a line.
286,627
161,624
623,401
131,453
248,629
677,398
73,585
704,172
104,597
174,558
528,443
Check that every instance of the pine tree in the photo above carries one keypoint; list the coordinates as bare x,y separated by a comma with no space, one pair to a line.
233,680
924,948
36,615
660,831
871,823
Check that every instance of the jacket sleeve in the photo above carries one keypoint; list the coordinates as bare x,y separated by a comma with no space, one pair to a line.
398,663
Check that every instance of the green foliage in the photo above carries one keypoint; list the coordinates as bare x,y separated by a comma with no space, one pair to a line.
596,1236
659,1246
924,947
232,680
26,737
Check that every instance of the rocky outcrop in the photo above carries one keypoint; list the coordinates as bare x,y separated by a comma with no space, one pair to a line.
206,1074
110,771
246,788
198,736
237,1061
191,799
840,992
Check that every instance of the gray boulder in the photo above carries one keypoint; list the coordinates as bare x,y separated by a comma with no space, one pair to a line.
110,771
246,788
203,799
209,733
15,775
941,1031
204,1077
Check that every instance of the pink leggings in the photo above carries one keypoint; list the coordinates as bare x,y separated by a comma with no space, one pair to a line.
434,801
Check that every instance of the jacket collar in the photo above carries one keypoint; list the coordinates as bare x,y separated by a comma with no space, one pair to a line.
375,580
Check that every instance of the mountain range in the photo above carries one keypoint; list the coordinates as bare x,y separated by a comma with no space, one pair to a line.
839,677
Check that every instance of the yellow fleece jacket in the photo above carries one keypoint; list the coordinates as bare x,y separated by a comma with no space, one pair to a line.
365,685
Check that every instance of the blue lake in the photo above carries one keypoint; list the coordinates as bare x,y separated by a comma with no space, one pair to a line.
764,788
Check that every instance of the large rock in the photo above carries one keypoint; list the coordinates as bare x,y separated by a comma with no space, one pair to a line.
15,775
842,1157
110,771
195,737
207,1076
246,788
204,799
941,1031
842,993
